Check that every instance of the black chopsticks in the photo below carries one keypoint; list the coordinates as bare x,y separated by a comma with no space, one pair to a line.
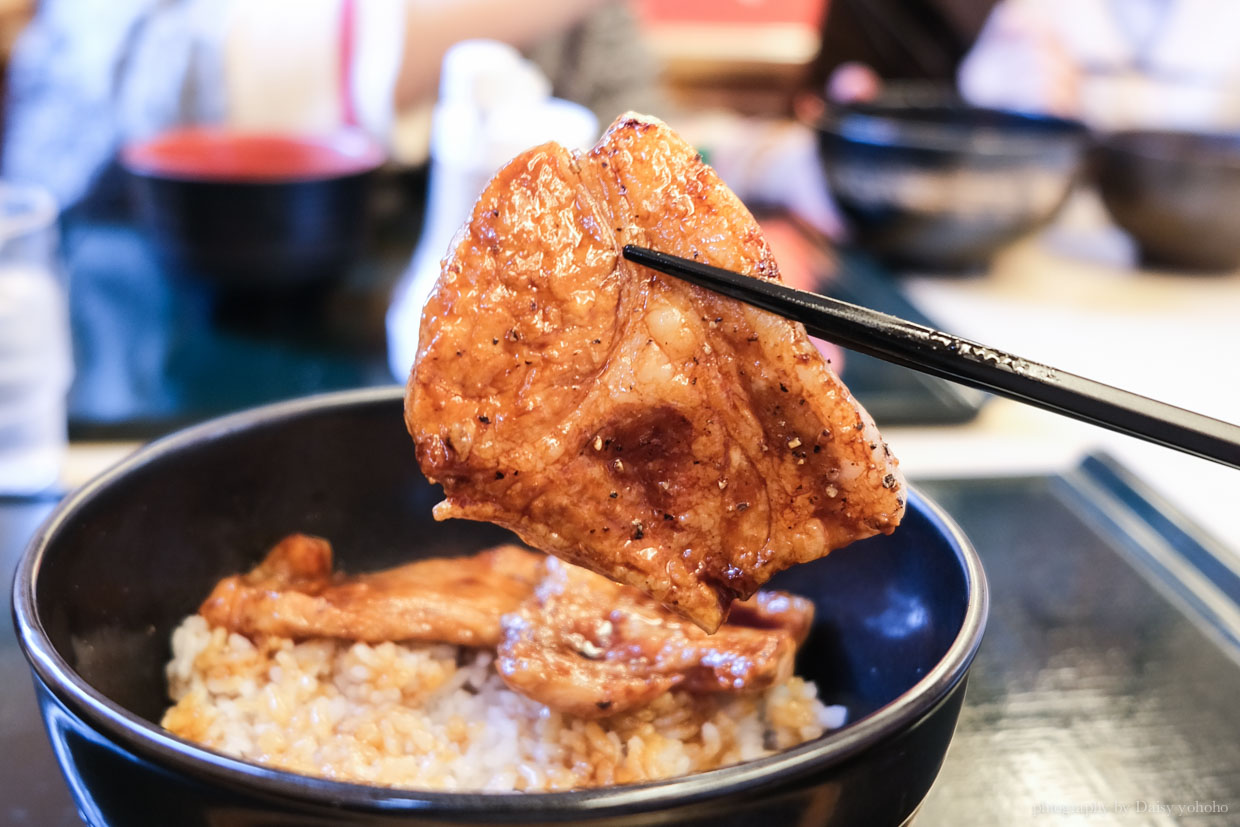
941,354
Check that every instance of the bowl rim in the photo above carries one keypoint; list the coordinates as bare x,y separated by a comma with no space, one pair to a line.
146,739
351,150
896,126
1156,145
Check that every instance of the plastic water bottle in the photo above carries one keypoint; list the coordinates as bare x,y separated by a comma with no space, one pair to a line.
35,349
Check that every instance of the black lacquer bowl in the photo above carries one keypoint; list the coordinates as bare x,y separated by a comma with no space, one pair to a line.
125,558
1175,193
253,212
929,183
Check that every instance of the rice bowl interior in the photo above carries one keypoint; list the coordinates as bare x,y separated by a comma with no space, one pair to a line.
437,717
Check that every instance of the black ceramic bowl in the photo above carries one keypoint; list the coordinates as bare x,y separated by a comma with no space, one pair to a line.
253,211
931,184
1176,194
125,558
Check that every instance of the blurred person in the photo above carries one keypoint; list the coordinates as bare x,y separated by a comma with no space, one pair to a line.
863,45
868,42
1115,64
89,75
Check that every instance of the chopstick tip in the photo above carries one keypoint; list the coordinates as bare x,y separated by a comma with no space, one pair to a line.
634,253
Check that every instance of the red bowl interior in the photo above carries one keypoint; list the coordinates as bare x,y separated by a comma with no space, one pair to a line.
213,154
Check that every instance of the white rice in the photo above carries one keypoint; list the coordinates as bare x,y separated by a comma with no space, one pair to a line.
438,717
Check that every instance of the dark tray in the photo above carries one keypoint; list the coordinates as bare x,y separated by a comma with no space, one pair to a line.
155,351
1109,676
1106,689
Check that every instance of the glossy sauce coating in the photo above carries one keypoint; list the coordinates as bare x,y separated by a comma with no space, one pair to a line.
293,593
661,435
564,636
590,647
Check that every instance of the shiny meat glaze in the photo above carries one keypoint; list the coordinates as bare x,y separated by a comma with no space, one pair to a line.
654,432
294,594
565,637
590,647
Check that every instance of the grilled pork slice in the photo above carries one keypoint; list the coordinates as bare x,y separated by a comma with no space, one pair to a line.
661,435
293,593
590,647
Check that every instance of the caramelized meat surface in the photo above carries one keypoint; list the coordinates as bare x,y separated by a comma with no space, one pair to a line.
566,637
661,435
293,593
590,647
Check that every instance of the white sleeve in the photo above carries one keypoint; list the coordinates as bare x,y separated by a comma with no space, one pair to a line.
1020,62
379,49
284,64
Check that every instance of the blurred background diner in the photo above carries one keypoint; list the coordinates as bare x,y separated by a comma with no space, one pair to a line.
206,206
254,197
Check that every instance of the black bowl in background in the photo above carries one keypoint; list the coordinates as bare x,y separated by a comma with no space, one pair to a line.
122,560
1176,193
253,211
929,183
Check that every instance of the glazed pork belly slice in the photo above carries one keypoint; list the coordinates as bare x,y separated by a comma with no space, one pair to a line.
654,432
293,593
590,647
